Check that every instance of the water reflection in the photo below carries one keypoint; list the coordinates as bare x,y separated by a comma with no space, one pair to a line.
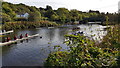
95,31
34,51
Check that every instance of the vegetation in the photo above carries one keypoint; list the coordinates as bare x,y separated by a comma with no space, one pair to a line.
82,52
9,11
85,53
27,25
61,15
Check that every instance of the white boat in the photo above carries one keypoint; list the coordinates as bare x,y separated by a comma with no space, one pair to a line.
50,27
14,41
6,32
38,28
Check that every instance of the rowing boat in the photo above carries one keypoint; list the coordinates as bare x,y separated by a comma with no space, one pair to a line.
6,32
14,41
50,27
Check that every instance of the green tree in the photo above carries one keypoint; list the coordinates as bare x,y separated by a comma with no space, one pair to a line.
54,17
49,13
74,14
48,8
5,18
6,9
35,16
80,17
63,13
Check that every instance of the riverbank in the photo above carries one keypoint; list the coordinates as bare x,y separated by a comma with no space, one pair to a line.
27,25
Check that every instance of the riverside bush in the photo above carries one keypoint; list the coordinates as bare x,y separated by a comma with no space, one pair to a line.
27,25
82,53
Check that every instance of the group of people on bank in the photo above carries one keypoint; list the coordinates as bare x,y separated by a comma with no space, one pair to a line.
15,37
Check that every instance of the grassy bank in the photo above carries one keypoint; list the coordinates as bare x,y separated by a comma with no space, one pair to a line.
27,25
85,53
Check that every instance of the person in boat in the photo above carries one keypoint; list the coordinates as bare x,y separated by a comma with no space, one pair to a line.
21,36
26,35
15,37
8,39
3,31
80,32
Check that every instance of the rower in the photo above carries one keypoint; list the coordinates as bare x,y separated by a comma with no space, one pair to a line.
15,37
81,32
21,36
8,39
26,35
3,31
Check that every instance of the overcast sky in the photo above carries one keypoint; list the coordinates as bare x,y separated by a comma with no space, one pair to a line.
82,5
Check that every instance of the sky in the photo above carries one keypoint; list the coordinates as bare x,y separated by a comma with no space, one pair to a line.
110,6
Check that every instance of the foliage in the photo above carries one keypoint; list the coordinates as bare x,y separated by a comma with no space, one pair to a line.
14,9
112,39
35,16
61,15
5,18
27,25
82,53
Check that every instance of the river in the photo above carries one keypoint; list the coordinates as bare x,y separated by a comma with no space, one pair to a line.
34,51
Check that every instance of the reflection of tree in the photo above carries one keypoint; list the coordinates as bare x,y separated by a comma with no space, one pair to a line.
6,49
51,35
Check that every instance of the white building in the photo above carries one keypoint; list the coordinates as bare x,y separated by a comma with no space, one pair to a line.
25,15
119,7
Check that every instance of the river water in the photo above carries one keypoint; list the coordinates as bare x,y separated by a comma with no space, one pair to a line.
34,51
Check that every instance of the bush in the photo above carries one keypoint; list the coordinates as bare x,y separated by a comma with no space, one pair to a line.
25,25
82,53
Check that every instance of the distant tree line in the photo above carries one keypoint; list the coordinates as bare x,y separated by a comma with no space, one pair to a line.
61,15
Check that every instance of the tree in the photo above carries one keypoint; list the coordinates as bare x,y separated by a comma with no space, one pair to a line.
48,8
63,14
32,8
49,13
5,18
7,10
35,16
80,17
75,15
54,17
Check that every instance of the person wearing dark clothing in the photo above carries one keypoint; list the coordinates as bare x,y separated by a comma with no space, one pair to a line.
8,39
15,37
26,35
21,36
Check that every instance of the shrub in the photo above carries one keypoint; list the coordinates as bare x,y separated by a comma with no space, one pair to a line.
82,53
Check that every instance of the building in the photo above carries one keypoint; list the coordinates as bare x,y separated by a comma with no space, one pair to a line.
119,7
23,15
